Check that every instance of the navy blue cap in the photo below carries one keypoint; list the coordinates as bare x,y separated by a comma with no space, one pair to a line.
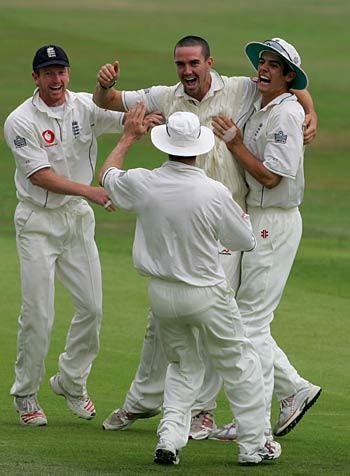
49,55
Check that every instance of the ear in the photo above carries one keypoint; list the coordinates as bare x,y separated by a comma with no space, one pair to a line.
290,76
35,76
210,61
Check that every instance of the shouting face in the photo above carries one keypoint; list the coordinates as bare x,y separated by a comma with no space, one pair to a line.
193,70
52,82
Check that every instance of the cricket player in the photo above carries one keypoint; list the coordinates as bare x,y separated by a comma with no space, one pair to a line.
271,153
202,91
53,139
181,215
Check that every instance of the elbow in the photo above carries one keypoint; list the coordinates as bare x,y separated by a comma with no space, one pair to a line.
98,101
271,181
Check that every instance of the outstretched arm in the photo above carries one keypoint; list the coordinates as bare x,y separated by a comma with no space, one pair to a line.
105,95
135,127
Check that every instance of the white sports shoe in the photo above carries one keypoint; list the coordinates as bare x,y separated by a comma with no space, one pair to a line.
202,426
121,419
293,408
30,412
166,453
81,406
271,450
228,432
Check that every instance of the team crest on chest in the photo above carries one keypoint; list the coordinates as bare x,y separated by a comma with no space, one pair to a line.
75,128
264,233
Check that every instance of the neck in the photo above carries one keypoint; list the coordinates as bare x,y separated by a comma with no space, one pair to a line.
183,160
268,97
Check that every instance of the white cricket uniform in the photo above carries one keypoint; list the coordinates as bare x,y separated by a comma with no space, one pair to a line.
233,97
181,215
274,135
55,234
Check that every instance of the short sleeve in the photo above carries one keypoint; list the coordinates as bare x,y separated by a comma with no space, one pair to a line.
25,147
152,97
284,141
124,187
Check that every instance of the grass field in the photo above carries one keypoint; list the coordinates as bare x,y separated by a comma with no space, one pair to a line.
311,323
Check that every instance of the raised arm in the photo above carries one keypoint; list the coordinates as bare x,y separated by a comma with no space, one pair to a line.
135,127
105,96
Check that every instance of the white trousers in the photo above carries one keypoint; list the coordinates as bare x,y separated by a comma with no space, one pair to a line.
146,390
264,274
57,242
182,312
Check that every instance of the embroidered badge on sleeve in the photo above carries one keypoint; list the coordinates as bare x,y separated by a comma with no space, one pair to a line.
20,142
280,137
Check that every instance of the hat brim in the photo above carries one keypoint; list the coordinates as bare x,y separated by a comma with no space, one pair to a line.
52,63
253,51
204,143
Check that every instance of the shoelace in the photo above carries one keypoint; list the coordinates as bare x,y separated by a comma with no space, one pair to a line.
287,402
31,405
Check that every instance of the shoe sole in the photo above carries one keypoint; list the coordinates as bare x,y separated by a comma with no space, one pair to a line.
140,416
167,457
296,418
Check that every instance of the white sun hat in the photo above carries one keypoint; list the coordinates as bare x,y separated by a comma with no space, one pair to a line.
182,135
254,50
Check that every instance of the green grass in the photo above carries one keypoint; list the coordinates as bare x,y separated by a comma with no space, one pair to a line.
312,322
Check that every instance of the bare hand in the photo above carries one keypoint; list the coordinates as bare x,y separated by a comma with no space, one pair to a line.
154,119
134,125
310,128
108,74
226,129
98,195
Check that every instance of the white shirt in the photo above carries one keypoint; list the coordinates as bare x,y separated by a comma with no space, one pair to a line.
227,96
39,137
274,135
181,215
153,97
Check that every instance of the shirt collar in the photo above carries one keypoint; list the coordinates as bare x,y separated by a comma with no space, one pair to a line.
217,84
282,97
43,107
179,166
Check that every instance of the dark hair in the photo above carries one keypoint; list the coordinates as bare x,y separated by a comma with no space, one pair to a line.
194,41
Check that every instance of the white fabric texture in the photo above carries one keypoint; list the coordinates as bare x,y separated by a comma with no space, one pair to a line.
60,241
39,138
55,234
274,135
175,240
264,275
182,311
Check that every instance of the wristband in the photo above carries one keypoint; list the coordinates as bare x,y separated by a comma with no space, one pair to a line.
107,87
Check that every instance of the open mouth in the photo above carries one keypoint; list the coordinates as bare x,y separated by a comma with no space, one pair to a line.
264,79
191,81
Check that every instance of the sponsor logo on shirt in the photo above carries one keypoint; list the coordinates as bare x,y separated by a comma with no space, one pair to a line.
225,251
20,142
48,136
280,137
